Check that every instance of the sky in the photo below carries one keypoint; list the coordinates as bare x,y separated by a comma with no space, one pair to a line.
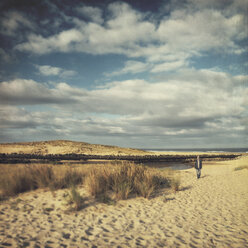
142,74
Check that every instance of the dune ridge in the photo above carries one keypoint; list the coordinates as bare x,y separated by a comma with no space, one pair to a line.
66,147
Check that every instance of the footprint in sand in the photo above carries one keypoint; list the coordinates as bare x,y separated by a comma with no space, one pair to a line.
89,231
66,235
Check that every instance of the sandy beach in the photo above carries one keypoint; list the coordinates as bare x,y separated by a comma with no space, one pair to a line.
208,212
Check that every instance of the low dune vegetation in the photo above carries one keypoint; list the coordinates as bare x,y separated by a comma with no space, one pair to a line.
116,181
126,179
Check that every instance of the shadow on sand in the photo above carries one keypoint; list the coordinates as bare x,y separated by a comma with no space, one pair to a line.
204,176
185,188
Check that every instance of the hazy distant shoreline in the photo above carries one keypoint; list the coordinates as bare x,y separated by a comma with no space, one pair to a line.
207,150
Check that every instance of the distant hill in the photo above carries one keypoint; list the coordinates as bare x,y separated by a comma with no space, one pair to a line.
65,147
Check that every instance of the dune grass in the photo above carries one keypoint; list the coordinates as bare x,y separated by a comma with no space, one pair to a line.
74,199
22,178
115,181
68,177
125,179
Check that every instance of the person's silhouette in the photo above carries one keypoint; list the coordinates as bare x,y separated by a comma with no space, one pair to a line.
198,166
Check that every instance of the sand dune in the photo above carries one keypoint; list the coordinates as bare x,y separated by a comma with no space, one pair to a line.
65,147
209,212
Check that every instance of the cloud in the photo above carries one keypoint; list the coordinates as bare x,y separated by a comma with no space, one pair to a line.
200,31
47,70
182,34
196,106
94,14
12,21
35,125
13,117
228,7
123,29
64,42
169,66
5,56
29,92
131,66
134,67
182,103
187,93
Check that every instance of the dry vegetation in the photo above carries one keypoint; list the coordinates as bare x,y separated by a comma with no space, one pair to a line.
15,179
113,181
125,179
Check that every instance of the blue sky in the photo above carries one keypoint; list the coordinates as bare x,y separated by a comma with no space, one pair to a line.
147,74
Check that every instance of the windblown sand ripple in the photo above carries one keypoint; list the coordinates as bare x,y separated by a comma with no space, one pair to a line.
209,212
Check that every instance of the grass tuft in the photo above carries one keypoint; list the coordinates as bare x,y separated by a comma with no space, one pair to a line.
75,198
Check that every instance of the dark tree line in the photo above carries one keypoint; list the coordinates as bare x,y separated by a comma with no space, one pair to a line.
29,158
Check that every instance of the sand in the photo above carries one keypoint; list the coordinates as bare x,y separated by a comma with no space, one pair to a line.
208,212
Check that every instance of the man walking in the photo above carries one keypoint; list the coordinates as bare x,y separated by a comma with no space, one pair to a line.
198,166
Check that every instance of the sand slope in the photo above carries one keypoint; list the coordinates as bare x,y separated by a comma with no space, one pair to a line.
209,212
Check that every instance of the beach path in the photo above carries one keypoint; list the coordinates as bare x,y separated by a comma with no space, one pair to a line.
208,212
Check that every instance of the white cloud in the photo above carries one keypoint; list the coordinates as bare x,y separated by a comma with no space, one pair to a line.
48,70
122,31
126,31
169,66
200,31
64,41
131,66
29,92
